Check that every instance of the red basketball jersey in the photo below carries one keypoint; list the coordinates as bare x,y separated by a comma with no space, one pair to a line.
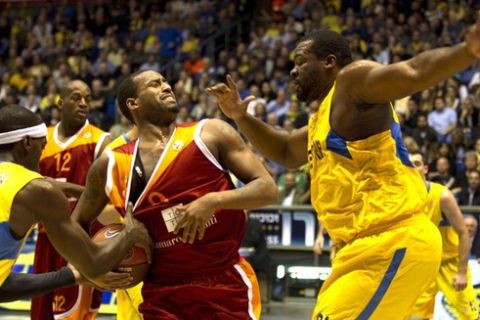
70,160
185,171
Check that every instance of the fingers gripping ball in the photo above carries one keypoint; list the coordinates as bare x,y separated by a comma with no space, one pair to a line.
135,262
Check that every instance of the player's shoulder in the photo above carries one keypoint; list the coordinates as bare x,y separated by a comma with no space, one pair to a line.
358,67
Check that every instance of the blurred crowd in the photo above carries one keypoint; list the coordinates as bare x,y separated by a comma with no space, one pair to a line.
42,47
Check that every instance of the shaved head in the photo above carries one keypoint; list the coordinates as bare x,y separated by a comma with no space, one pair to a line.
72,85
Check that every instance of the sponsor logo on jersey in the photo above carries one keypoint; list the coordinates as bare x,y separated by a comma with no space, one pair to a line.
178,145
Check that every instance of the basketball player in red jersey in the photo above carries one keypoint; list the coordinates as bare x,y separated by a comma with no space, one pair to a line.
173,171
72,146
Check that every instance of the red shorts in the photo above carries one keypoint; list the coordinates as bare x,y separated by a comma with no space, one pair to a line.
76,303
229,295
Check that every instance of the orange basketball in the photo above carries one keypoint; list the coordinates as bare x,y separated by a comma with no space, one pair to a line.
135,262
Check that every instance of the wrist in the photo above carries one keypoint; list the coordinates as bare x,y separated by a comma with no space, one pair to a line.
216,199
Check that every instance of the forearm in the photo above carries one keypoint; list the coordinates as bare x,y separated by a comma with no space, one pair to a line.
69,189
272,143
450,129
463,252
19,285
438,64
255,194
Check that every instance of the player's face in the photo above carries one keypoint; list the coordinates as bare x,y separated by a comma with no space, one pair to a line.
35,148
76,105
155,96
417,161
308,76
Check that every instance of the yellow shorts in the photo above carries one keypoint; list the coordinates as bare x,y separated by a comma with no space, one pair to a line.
128,301
463,303
380,276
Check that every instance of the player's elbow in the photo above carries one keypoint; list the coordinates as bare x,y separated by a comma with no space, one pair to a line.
270,191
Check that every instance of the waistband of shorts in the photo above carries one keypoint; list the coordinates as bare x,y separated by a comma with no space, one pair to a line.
400,222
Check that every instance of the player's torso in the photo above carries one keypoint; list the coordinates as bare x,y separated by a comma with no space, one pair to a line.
13,178
360,185
185,171
450,239
70,160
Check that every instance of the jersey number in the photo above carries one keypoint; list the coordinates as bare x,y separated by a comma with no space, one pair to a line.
63,161
59,304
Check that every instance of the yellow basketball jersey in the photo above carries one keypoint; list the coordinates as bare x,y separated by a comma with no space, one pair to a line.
13,178
364,186
450,239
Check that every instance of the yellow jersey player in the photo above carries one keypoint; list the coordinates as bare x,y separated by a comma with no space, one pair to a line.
454,278
366,192
26,198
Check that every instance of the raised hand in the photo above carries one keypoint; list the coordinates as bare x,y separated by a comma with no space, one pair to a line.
136,229
229,100
472,38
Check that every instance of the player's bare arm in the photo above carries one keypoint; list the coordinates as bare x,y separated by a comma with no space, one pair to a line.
280,146
94,199
71,241
230,150
454,216
69,189
369,82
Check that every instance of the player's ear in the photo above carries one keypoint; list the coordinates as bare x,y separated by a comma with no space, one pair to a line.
330,61
131,103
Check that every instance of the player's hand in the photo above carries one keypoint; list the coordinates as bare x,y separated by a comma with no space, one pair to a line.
460,281
333,252
112,280
229,100
195,216
318,245
472,38
135,229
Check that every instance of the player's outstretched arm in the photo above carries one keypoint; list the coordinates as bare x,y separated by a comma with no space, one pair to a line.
50,207
229,149
69,189
93,200
289,150
454,216
368,82
21,286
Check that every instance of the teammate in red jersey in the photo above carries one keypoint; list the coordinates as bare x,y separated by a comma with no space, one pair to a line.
178,179
72,146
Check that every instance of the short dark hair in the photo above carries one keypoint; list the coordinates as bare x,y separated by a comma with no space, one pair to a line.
325,42
13,117
127,89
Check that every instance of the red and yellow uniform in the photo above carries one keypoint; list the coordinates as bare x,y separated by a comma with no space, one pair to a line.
464,305
371,200
206,279
66,161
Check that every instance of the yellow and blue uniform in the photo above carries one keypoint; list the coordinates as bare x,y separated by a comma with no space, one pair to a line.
371,200
463,304
128,300
13,178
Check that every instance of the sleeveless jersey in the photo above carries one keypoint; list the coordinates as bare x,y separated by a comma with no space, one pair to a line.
450,240
118,141
13,178
360,187
70,160
185,171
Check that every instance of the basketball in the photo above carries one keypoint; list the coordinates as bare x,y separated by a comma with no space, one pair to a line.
135,262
